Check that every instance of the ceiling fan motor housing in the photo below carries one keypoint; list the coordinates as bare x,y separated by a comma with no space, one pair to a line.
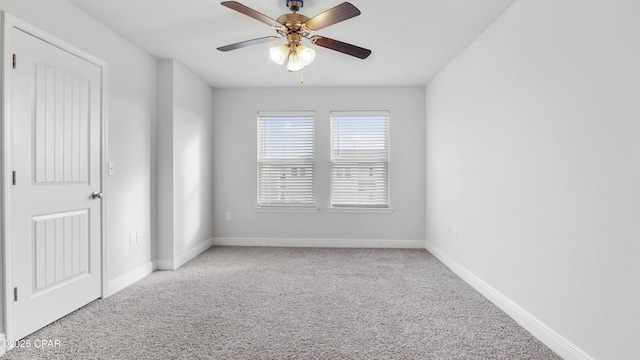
293,22
295,5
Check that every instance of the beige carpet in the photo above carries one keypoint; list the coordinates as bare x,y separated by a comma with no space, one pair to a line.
292,303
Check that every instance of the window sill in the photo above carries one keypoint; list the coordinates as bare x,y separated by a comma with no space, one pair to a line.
284,209
362,210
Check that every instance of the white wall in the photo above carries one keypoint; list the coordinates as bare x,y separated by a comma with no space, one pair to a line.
185,159
533,153
164,161
131,113
235,117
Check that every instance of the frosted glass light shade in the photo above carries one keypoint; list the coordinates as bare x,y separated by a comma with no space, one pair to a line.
279,53
295,63
306,55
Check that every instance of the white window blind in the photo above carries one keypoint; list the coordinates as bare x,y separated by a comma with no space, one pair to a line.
360,159
286,159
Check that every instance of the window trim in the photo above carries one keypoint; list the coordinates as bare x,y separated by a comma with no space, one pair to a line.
360,210
286,209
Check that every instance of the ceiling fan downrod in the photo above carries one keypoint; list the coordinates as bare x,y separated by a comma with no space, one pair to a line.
295,5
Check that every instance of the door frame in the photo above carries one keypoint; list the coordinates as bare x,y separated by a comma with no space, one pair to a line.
9,22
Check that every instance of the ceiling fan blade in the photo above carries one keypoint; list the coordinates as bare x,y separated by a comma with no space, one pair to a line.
247,43
340,46
234,5
332,16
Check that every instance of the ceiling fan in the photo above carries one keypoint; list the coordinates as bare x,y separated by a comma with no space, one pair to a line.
296,26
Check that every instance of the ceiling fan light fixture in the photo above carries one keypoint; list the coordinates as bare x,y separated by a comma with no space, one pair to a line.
306,54
295,63
279,53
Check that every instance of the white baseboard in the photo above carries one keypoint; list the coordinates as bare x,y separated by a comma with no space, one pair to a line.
130,278
322,243
173,264
3,342
165,264
563,347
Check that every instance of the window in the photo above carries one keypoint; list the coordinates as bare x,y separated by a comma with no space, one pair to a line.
286,159
360,159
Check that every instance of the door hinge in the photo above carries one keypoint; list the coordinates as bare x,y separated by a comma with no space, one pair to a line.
15,293
14,61
14,177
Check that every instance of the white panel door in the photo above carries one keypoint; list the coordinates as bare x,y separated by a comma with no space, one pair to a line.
55,152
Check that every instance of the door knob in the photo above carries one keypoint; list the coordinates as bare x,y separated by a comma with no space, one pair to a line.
96,195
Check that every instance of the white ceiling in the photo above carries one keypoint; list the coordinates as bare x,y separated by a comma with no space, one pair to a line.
411,40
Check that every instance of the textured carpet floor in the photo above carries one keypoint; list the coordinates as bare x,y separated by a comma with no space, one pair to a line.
292,303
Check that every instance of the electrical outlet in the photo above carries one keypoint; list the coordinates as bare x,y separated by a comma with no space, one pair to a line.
134,238
228,216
